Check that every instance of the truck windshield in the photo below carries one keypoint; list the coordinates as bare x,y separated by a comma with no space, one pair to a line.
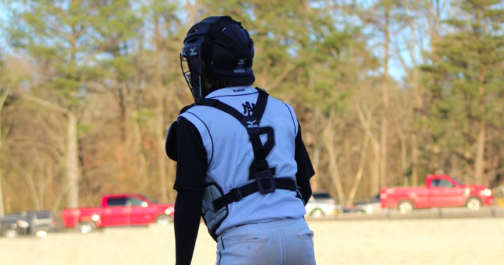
458,181
116,202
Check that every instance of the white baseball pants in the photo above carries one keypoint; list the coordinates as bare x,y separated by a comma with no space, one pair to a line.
281,242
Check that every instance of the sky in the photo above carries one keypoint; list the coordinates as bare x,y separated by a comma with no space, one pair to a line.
3,18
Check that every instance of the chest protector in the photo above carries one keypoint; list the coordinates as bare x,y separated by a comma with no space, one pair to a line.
215,202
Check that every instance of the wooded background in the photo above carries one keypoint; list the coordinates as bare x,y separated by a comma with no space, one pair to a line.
386,91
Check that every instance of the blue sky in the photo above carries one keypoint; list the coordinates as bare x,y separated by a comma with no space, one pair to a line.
3,18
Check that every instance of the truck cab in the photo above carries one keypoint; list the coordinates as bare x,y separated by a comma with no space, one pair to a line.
131,209
445,191
126,209
439,191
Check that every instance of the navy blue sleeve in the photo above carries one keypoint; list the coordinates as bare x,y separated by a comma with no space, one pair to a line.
186,223
189,183
171,142
304,167
191,158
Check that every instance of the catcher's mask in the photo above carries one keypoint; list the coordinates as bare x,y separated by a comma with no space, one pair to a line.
221,47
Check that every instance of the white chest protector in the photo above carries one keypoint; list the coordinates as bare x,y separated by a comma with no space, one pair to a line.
250,152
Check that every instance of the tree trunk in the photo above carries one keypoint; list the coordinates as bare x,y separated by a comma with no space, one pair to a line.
375,165
335,176
360,171
480,154
414,160
123,105
72,153
333,161
383,152
159,117
30,184
404,163
72,162
137,145
192,10
161,156
3,97
436,159
385,98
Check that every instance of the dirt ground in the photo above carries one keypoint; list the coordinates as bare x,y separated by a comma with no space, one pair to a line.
387,242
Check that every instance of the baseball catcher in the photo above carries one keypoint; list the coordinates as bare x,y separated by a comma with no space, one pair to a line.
241,161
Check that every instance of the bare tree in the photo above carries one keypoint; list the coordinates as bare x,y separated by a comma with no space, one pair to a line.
72,166
332,152
365,122
385,97
360,171
12,71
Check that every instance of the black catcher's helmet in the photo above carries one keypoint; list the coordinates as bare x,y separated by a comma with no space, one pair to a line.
219,46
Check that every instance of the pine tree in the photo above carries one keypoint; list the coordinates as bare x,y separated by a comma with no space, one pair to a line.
465,82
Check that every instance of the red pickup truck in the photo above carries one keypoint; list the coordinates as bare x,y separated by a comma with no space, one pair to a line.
439,191
119,210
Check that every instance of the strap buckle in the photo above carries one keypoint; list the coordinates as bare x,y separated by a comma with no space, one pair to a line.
265,181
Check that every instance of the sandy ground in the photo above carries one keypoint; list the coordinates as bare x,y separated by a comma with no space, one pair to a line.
408,242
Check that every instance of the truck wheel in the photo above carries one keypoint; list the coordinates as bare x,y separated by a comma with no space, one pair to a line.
40,233
473,204
86,227
163,219
405,207
317,213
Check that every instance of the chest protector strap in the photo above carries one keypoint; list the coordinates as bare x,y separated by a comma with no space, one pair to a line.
259,170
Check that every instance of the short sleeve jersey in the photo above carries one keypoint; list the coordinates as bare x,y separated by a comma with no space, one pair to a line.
214,147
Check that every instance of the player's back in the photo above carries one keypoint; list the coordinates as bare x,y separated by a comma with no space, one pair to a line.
230,153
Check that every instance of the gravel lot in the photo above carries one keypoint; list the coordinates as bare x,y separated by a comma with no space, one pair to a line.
430,241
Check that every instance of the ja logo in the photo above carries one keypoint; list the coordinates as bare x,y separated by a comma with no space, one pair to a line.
248,108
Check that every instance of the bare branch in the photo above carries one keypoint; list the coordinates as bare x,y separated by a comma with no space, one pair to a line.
31,186
45,103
